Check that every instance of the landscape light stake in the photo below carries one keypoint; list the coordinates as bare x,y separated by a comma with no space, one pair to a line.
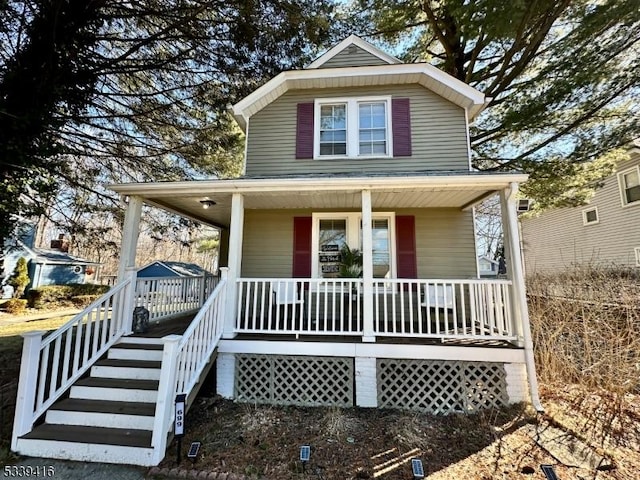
417,469
549,472
305,455
192,454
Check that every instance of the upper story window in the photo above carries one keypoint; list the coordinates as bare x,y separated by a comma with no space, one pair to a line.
590,216
353,127
629,181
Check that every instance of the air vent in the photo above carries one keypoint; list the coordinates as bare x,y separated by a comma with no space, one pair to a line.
524,205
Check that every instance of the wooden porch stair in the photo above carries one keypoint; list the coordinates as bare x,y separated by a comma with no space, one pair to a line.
108,416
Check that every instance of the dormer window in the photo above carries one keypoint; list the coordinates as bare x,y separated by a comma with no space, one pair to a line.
353,127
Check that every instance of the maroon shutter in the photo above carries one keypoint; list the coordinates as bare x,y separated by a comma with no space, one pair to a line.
406,246
304,131
302,247
401,124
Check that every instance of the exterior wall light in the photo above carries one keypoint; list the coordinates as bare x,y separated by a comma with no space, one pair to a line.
207,203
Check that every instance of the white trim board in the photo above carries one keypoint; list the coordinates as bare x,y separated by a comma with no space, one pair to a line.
373,350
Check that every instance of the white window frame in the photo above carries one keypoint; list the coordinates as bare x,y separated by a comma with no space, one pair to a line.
637,250
585,220
353,126
353,220
621,185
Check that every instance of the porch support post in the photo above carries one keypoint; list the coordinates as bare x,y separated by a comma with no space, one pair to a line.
367,269
514,268
234,263
130,232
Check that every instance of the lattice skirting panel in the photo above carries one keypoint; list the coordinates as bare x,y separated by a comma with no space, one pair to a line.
441,387
295,380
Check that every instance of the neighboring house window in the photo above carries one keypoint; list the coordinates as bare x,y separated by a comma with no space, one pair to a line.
630,186
333,230
351,127
590,216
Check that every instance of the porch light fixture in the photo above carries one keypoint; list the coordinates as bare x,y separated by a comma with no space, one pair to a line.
417,469
207,203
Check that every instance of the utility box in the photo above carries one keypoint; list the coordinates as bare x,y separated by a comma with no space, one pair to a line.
140,320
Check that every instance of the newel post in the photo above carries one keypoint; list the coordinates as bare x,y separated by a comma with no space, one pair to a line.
130,274
166,395
27,385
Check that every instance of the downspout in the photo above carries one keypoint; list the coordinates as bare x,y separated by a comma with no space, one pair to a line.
516,260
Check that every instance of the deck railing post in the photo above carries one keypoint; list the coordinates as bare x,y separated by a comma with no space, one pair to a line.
130,295
203,290
166,394
27,384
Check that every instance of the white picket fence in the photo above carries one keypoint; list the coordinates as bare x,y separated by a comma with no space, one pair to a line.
52,364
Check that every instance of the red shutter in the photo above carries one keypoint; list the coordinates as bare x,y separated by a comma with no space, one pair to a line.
302,247
401,124
406,246
304,131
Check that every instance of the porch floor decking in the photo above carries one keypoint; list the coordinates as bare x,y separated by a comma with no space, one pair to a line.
178,325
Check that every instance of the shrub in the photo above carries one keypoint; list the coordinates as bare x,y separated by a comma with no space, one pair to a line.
19,278
64,295
15,306
83,301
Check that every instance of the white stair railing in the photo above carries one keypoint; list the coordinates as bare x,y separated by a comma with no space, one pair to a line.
50,365
185,359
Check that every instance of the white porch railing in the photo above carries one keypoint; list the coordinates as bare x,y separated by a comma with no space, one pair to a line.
51,365
470,309
184,360
299,306
473,309
167,297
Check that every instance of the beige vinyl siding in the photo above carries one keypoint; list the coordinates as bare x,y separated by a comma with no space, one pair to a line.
558,239
438,135
444,240
353,56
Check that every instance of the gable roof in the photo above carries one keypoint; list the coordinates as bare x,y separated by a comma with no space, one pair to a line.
182,269
430,77
348,42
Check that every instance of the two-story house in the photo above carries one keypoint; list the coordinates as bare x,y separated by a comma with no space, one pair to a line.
602,233
358,150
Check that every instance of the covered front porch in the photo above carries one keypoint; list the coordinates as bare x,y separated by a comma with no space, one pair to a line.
423,284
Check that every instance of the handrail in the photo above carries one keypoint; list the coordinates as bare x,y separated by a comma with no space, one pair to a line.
201,339
184,359
51,365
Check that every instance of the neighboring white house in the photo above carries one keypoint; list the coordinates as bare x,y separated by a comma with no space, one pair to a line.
488,267
606,231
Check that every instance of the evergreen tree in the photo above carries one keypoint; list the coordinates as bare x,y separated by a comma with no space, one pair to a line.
562,79
19,279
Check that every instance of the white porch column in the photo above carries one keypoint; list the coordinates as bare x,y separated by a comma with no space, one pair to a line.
234,263
367,268
130,232
519,297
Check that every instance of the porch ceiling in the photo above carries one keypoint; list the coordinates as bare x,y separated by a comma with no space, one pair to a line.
184,198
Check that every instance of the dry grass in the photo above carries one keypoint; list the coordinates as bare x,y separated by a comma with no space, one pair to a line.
586,332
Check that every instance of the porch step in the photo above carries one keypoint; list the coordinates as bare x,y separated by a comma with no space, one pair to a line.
136,351
101,413
115,389
82,443
131,369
